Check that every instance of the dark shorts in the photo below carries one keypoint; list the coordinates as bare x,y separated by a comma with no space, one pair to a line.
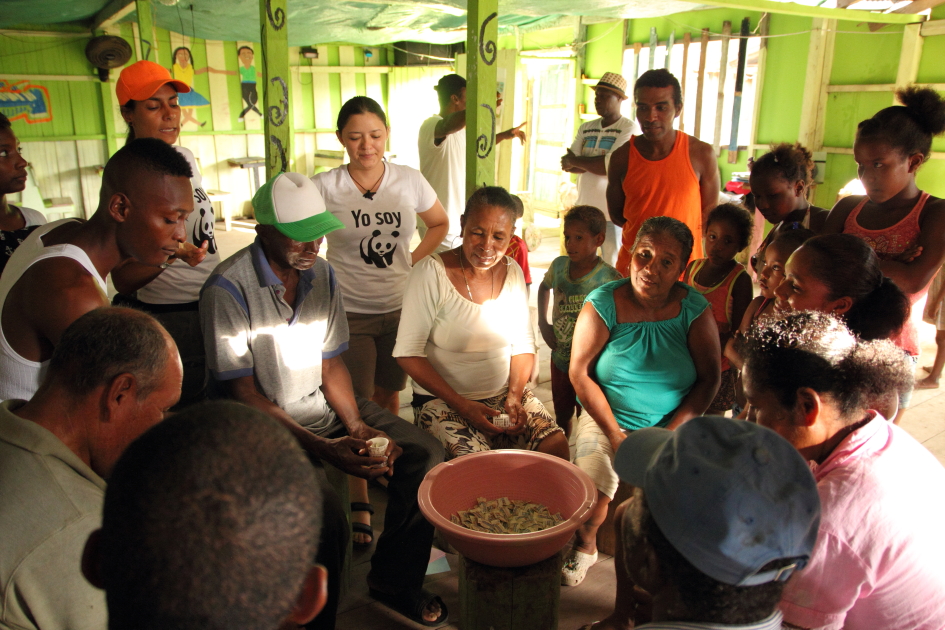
369,355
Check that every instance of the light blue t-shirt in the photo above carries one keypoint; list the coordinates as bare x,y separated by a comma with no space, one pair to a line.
645,370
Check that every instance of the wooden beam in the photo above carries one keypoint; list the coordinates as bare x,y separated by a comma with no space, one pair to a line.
909,57
880,87
274,49
918,6
700,81
723,67
933,27
759,79
816,81
791,8
739,86
146,30
113,11
342,69
47,77
481,75
654,42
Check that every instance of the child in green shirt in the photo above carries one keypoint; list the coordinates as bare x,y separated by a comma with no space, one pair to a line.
571,278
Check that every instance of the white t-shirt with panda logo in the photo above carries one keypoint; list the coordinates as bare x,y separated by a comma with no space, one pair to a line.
180,283
371,256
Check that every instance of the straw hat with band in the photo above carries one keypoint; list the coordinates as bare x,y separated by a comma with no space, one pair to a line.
613,82
142,79
292,204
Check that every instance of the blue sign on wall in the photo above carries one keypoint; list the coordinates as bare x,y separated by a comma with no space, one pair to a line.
21,100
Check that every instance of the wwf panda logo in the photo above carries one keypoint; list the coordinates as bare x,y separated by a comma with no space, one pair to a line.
378,249
203,227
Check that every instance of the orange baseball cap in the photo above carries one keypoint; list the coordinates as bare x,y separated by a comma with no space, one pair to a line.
142,79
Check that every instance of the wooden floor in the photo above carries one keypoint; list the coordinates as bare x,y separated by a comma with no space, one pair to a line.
593,599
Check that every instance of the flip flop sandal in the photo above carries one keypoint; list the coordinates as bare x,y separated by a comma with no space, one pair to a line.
411,605
362,528
575,567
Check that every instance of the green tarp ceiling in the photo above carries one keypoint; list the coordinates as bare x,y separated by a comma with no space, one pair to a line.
321,21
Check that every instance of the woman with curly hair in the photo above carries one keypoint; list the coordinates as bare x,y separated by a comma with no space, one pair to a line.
878,558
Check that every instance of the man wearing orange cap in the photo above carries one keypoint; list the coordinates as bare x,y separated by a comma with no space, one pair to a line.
595,140
58,273
662,172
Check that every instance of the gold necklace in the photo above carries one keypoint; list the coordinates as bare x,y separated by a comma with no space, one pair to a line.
468,290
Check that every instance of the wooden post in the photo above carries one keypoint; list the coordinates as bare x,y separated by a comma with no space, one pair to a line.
816,79
654,42
482,33
146,30
517,598
700,81
687,39
909,57
669,50
274,47
720,105
739,85
759,80
637,48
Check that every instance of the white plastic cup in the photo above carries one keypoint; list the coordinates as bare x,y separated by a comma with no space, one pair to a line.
502,421
378,446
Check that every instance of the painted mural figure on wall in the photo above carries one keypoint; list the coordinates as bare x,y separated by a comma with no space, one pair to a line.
183,70
247,70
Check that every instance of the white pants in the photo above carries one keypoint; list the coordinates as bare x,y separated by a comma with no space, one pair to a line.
613,234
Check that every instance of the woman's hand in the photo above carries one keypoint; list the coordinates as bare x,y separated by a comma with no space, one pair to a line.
616,439
517,414
480,416
910,254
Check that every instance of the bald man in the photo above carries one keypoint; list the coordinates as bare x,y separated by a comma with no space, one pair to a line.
58,273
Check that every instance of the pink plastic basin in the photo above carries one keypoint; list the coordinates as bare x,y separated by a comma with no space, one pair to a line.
522,475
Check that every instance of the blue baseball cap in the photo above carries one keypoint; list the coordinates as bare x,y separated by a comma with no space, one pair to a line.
729,495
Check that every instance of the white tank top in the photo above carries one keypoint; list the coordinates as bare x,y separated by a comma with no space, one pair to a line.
19,377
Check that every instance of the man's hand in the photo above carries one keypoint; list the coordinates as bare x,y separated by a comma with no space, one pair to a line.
514,132
568,165
191,255
345,454
365,432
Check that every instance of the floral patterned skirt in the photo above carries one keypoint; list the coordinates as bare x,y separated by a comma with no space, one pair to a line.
460,438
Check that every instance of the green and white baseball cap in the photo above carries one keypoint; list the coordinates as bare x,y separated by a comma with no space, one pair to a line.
292,203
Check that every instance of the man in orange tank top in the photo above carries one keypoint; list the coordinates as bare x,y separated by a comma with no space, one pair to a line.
664,172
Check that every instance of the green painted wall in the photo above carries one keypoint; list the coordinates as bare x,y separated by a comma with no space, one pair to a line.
782,95
859,57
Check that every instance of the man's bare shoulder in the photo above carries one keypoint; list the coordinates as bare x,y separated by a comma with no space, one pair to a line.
700,151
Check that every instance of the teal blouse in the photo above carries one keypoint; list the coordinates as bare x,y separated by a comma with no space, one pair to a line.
645,370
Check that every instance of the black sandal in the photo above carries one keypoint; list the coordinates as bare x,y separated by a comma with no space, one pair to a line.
362,528
411,605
